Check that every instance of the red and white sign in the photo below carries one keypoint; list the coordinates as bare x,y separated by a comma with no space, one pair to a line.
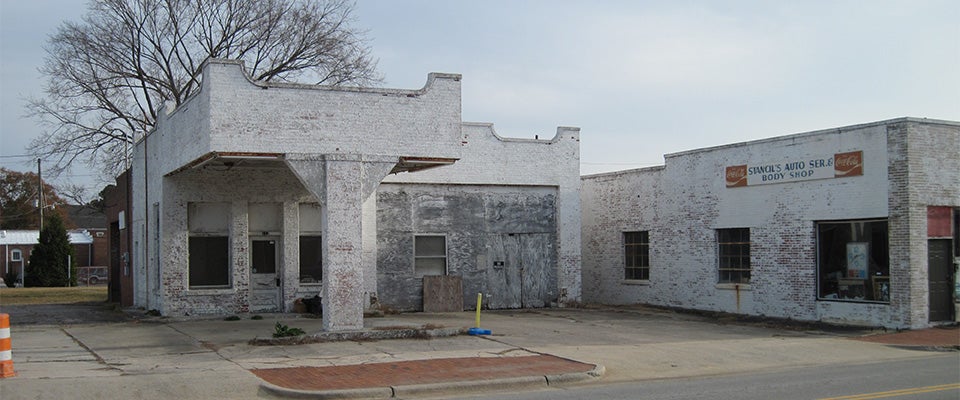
794,170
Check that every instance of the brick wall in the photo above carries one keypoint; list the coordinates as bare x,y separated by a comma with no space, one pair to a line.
311,124
683,202
924,171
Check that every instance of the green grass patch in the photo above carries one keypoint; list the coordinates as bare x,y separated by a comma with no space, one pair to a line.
52,295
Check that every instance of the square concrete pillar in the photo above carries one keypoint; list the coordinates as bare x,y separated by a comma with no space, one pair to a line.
342,182
342,244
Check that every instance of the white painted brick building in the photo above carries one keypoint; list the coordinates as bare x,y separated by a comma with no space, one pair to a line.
250,196
864,233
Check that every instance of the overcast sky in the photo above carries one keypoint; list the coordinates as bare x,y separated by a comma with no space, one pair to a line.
640,78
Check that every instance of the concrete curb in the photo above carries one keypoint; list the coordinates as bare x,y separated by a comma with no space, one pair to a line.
576,377
504,384
360,393
432,389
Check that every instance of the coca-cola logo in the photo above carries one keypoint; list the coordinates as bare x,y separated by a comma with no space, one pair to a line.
848,164
737,176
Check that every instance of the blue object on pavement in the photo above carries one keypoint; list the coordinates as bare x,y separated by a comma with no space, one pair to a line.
478,331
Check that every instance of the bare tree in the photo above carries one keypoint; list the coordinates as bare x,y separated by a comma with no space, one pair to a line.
108,75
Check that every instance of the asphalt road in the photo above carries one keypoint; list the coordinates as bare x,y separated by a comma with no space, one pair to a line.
929,378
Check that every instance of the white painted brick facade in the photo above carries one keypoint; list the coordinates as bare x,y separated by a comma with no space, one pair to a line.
908,165
334,145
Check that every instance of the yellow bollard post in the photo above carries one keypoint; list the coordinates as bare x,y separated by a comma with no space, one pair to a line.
479,301
476,329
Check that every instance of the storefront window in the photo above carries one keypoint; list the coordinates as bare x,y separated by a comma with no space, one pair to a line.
209,245
853,260
311,243
311,259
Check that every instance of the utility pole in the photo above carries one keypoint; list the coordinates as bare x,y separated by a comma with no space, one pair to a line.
40,193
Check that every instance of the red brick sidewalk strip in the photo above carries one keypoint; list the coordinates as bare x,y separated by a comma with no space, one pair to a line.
418,372
932,337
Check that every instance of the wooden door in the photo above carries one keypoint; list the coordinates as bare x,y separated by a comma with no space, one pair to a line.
264,280
523,271
940,276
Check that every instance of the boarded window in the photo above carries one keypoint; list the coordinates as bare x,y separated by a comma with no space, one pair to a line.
311,259
430,255
733,249
209,261
209,244
311,243
636,255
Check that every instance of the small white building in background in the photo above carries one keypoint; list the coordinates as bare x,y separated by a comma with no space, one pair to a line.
17,245
853,225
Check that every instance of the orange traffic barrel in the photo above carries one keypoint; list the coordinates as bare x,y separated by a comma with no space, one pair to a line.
6,352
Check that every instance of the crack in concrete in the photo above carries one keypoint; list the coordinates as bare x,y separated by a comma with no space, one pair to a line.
96,356
513,345
506,351
206,345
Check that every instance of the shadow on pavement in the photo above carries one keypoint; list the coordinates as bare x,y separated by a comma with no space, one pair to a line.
63,314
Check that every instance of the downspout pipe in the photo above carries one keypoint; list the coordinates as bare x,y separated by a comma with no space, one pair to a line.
146,220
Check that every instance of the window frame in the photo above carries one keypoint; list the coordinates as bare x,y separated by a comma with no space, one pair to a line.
228,271
444,257
874,277
310,218
16,255
203,229
636,255
300,262
725,266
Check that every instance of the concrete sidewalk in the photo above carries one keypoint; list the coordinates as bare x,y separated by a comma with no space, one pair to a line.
188,358
524,372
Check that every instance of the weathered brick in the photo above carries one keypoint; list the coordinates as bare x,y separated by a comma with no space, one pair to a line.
908,165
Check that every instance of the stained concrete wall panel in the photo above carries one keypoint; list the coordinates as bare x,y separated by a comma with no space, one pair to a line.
489,159
472,237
